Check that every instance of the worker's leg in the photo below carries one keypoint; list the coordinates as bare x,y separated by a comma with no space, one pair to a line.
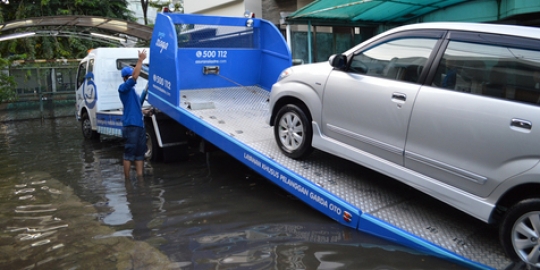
139,166
131,135
140,151
127,167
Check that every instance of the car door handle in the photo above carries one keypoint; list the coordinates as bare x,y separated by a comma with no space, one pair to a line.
399,96
520,123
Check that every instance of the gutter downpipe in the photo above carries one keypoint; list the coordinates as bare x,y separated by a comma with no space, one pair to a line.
310,57
283,21
288,34
315,43
498,10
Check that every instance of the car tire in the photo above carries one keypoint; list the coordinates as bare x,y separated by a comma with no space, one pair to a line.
86,128
293,131
520,232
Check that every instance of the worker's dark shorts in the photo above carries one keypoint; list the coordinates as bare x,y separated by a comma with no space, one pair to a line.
135,145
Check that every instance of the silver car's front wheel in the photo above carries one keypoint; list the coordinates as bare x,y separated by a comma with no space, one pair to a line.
293,132
520,232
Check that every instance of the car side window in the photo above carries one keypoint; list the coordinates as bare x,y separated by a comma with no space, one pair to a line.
91,65
490,70
399,59
120,63
80,74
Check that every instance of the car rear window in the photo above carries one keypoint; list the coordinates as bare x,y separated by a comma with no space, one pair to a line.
499,71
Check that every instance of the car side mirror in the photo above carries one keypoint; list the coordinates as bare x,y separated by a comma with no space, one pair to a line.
338,61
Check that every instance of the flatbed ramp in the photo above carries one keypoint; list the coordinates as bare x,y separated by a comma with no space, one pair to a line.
386,207
213,75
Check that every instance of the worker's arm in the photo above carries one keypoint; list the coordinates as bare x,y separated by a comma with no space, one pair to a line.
137,69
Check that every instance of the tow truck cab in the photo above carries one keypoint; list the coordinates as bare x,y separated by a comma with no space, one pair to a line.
98,78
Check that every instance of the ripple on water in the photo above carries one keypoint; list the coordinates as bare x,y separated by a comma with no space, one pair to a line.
51,228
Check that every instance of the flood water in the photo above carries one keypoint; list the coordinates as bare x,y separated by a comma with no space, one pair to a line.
64,204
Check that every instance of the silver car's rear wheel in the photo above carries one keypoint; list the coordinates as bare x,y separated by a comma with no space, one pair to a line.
520,232
293,131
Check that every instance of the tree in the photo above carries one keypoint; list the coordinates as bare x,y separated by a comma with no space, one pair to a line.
178,6
7,83
144,4
52,47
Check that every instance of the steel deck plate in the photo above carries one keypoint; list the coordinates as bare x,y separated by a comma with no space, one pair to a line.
241,112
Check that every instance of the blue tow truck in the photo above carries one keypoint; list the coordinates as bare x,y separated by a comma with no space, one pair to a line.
211,76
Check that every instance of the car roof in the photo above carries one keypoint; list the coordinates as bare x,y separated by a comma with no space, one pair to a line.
512,30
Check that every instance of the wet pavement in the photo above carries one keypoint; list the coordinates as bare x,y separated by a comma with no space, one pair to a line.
64,204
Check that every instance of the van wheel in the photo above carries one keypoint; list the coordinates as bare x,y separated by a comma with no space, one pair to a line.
520,232
86,127
293,131
153,152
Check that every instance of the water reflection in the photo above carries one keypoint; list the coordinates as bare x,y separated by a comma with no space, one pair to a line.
116,198
64,204
294,246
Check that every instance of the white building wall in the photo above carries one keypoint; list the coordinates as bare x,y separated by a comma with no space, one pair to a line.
233,8
254,6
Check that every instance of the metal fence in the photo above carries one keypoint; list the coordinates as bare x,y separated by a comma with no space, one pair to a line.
45,89
44,76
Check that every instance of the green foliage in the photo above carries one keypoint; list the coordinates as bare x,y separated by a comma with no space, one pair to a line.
7,83
158,4
52,47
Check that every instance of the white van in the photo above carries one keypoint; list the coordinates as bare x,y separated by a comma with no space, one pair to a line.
98,105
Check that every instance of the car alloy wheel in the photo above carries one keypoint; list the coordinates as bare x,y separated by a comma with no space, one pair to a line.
520,232
293,131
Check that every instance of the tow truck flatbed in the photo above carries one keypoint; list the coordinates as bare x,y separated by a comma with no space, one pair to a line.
230,112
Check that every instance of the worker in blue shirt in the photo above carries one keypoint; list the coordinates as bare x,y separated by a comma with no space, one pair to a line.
132,119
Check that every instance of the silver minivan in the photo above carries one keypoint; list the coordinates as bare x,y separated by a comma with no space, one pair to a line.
451,109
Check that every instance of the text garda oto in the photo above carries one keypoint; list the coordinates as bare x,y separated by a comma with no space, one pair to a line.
298,187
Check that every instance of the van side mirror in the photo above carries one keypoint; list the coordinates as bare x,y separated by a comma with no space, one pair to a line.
338,61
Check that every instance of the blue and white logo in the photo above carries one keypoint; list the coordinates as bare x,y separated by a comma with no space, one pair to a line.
160,43
89,91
